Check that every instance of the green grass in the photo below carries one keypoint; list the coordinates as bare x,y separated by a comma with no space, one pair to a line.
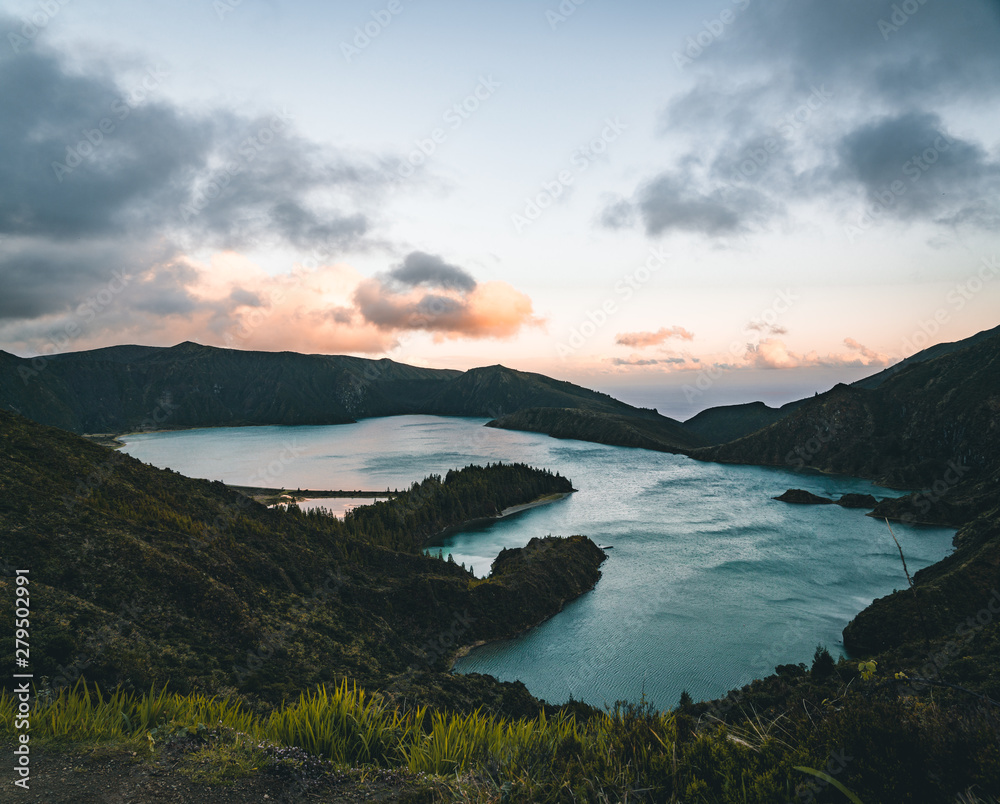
867,740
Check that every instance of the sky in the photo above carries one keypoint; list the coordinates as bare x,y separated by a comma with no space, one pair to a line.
681,204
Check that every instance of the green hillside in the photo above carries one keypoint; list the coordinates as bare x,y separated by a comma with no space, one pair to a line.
142,576
126,388
648,432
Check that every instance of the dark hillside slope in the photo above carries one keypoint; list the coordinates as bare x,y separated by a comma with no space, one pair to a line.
725,423
951,594
728,422
143,576
648,432
125,388
936,421
498,390
938,350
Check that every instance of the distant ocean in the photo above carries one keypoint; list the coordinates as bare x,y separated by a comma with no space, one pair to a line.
683,394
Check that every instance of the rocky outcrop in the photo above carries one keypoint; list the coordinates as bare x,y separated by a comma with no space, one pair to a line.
803,497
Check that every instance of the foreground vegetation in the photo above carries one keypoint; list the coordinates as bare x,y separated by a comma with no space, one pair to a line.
849,730
226,612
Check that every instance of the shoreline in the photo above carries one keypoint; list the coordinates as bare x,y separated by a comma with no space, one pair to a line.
464,650
269,496
545,499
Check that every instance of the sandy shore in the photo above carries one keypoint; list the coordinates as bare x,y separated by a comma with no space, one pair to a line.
484,520
549,498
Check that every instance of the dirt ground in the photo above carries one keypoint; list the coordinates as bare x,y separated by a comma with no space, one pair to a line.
120,778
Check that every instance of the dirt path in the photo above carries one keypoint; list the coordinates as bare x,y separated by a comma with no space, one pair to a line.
120,778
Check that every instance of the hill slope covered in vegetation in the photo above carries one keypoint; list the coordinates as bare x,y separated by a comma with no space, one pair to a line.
142,576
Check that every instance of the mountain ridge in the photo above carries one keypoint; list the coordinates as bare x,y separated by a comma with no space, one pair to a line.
124,388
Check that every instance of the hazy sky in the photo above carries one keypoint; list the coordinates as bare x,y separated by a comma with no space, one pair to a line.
635,196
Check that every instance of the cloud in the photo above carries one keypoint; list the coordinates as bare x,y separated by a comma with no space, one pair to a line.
103,175
846,44
761,326
430,270
488,310
231,301
109,188
768,353
680,200
831,105
912,168
640,361
771,353
874,358
643,339
86,155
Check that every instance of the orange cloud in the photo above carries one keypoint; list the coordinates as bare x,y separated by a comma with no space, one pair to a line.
772,353
769,353
488,310
640,340
231,301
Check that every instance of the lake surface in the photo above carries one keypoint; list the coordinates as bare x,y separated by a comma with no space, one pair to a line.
710,582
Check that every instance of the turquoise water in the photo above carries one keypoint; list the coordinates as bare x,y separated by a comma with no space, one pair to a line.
710,582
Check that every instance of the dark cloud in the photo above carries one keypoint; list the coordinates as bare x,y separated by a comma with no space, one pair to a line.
341,315
618,214
244,297
428,270
683,201
911,167
41,277
455,306
940,50
816,101
100,172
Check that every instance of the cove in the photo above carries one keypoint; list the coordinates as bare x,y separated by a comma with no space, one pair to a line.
710,582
